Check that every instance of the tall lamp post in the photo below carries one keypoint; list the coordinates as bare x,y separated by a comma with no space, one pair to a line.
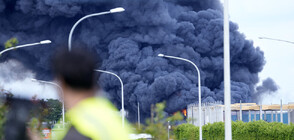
227,73
122,94
60,89
199,88
26,45
115,10
286,41
139,123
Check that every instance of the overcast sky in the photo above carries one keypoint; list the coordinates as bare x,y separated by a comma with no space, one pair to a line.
273,19
256,18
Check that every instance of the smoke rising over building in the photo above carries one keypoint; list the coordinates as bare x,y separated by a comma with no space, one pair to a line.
128,43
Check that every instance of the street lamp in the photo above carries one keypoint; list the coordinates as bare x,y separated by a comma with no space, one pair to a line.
54,84
199,88
115,10
168,127
227,73
122,94
139,123
276,40
26,45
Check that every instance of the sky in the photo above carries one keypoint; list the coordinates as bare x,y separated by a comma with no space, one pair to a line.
273,19
256,18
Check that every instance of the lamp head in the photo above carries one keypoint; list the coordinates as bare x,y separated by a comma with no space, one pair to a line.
160,55
116,10
45,42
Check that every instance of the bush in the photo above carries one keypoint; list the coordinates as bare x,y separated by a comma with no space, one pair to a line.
258,130
213,131
3,110
187,132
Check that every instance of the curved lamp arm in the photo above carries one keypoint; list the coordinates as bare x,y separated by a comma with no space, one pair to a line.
115,10
26,45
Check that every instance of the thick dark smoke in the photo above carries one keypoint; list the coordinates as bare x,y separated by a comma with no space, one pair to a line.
128,44
268,87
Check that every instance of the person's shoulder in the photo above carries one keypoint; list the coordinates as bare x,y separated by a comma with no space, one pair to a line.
100,102
100,118
95,106
73,134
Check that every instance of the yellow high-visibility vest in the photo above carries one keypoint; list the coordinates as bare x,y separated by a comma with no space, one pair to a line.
96,118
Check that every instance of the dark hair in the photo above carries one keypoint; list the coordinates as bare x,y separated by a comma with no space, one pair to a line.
75,68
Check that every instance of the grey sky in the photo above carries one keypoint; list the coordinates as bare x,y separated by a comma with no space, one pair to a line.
274,19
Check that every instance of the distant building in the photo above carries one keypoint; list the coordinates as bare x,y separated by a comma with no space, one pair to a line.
211,112
214,112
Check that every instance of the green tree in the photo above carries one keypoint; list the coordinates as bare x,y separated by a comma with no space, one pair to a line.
3,110
53,110
11,43
158,128
48,110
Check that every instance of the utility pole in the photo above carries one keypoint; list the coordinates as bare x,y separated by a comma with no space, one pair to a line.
152,113
168,130
240,110
260,112
227,73
281,112
139,115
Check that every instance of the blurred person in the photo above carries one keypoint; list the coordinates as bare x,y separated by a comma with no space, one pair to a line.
91,117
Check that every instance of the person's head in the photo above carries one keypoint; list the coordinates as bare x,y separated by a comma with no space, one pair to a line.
74,70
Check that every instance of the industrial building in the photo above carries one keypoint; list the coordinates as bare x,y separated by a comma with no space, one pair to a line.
214,112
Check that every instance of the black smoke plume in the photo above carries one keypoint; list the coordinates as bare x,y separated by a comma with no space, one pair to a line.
128,44
268,86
